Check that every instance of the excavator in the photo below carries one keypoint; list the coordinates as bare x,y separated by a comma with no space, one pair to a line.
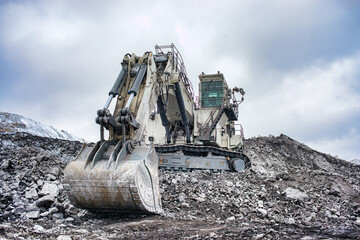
157,123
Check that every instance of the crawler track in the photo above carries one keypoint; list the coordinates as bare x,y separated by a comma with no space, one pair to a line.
203,151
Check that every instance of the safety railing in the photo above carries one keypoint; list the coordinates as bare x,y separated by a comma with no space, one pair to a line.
179,64
239,130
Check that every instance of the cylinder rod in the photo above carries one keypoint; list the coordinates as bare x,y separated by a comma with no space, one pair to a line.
184,119
129,100
107,104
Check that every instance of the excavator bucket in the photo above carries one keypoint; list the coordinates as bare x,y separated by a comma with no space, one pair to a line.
115,177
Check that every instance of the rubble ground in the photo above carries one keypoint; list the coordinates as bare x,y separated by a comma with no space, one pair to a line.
291,192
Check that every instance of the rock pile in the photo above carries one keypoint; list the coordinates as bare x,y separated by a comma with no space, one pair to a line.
291,192
31,176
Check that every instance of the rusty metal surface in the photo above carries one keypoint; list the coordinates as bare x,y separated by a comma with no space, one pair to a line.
124,185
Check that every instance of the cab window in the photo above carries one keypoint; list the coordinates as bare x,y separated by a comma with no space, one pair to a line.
212,93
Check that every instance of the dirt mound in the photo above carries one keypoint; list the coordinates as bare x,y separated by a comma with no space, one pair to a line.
272,156
291,192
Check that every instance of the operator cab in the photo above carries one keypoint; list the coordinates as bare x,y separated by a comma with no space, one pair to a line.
213,90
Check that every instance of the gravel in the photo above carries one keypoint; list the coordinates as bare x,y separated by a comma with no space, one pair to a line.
291,192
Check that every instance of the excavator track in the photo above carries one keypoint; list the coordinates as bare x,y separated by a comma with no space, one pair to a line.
189,157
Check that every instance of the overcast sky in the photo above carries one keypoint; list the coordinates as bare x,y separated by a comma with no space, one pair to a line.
298,61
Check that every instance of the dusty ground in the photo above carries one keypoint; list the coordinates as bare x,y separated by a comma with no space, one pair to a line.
291,192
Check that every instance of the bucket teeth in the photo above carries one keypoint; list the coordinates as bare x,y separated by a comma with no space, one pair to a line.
120,182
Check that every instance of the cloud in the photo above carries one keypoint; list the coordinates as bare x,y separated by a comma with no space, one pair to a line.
346,146
317,103
297,61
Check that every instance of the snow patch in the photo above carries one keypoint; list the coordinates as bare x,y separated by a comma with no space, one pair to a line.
12,123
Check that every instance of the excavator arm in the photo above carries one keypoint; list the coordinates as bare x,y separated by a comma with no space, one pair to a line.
121,174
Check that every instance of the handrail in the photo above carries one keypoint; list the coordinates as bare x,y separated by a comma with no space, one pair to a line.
179,64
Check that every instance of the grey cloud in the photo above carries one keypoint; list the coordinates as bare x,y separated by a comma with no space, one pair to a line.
67,55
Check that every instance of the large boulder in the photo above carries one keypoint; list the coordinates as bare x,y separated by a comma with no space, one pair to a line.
49,189
293,193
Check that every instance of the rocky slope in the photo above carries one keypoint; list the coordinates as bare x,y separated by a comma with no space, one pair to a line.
291,192
12,123
356,161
